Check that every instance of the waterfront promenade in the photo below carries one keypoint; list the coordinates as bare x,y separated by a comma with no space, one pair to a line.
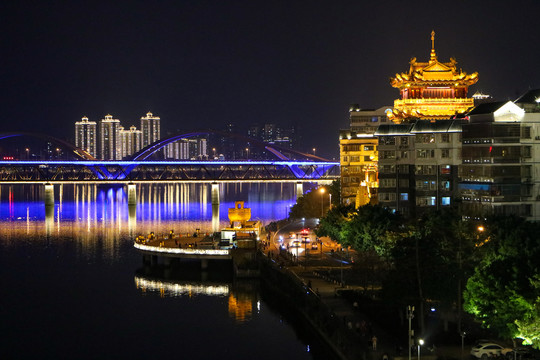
353,327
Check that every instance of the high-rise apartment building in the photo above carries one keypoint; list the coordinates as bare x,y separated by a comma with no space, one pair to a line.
187,149
85,136
130,140
109,139
150,129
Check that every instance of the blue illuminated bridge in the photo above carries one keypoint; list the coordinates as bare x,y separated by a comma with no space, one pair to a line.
147,171
142,169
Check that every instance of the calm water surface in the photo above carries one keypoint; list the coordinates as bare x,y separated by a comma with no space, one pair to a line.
73,287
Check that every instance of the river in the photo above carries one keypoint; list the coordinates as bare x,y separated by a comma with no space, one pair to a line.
72,286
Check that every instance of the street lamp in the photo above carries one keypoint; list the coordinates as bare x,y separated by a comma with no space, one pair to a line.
247,153
214,150
462,342
420,343
410,316
322,190
314,150
27,153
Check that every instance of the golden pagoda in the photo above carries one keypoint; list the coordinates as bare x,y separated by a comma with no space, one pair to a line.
432,90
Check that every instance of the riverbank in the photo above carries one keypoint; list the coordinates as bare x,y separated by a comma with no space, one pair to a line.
352,332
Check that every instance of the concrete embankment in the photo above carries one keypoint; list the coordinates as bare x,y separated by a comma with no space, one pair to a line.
321,318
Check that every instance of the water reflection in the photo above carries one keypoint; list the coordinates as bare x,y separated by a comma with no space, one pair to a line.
183,278
91,214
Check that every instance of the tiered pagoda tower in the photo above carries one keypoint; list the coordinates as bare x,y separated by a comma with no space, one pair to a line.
432,90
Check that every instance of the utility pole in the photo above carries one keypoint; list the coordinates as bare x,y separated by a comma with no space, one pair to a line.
410,316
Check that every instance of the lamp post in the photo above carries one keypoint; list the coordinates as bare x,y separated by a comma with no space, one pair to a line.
247,153
410,316
462,342
420,343
214,150
27,153
314,150
330,205
322,190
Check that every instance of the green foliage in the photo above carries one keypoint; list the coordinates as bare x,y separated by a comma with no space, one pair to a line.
429,253
315,203
503,293
332,224
371,228
529,326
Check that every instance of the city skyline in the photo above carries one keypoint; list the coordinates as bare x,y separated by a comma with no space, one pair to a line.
244,62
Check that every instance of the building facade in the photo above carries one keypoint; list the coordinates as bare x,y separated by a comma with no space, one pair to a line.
418,165
359,156
150,129
130,140
86,136
500,173
109,139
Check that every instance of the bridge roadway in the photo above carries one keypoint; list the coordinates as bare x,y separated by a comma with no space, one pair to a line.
166,171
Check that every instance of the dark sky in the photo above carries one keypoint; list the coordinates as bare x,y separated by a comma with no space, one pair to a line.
207,63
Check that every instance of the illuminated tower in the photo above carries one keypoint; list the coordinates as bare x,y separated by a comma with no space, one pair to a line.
150,128
85,136
109,139
432,90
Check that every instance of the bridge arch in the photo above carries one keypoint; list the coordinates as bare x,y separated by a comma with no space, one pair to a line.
277,151
79,153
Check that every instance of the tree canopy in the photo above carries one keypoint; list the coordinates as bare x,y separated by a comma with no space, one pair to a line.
504,293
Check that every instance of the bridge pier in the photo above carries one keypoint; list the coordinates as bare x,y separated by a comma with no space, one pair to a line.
299,189
49,194
132,194
215,207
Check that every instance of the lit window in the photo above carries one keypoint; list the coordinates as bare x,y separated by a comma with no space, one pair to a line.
445,200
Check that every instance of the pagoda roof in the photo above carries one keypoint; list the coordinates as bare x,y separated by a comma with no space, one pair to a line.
434,72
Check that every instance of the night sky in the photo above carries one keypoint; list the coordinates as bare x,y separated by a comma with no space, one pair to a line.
202,64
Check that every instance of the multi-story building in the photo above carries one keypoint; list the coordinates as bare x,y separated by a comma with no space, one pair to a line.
500,173
109,139
150,129
130,140
418,165
419,154
358,155
187,149
85,136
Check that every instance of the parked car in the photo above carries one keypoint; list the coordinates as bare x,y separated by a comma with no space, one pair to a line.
484,350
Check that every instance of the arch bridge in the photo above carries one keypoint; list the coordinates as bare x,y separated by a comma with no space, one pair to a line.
166,171
85,168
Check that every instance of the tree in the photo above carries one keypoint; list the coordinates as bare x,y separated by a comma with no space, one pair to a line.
371,228
332,224
503,293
